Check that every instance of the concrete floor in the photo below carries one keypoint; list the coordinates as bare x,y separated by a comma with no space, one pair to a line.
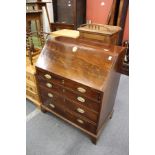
48,135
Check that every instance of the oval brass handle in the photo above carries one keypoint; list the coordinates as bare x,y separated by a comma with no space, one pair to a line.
47,76
52,105
63,81
49,85
82,90
110,58
50,95
80,110
80,121
74,49
81,99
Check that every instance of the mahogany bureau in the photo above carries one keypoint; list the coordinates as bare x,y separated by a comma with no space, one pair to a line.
78,80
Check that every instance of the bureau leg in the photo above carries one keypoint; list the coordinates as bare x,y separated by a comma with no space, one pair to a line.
43,110
94,140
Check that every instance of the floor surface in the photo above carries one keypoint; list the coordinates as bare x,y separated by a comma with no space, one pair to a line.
48,135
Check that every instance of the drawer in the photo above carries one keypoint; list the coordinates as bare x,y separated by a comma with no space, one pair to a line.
48,84
31,87
52,101
83,90
82,100
32,95
50,77
80,121
51,96
77,87
81,110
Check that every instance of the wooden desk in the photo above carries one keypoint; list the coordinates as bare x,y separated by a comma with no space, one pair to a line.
78,80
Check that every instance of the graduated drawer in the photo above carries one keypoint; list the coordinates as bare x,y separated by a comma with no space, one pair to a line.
77,87
49,97
82,100
81,110
80,121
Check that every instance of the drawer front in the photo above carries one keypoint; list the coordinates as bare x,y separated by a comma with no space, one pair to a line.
50,77
52,101
94,106
52,97
77,87
48,84
81,110
34,96
83,90
31,87
83,123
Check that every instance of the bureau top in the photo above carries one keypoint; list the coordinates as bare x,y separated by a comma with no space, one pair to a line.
82,61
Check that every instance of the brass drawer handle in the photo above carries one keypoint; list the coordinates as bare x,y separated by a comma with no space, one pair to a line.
81,99
80,89
80,121
52,105
50,95
110,58
47,76
74,49
49,85
80,110
63,81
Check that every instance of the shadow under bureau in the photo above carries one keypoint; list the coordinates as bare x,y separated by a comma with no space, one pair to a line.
78,80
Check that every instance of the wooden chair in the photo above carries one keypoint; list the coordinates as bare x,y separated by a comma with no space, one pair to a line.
34,12
31,51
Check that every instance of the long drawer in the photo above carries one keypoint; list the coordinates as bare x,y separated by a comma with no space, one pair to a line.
94,106
77,87
54,99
